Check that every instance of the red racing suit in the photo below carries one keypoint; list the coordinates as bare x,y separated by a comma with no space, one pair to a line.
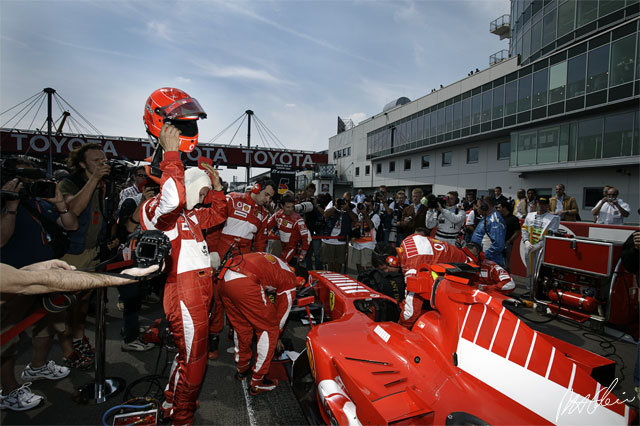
188,291
246,224
494,275
414,251
293,231
243,293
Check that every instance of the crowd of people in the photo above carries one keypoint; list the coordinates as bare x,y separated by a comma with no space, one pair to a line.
236,257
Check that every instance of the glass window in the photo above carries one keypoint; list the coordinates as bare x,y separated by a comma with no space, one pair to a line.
636,134
557,82
498,102
476,108
526,44
407,163
526,148
566,15
608,6
425,161
504,149
447,158
549,27
414,129
449,118
598,69
564,143
536,37
511,98
524,93
587,12
473,154
618,133
548,145
434,124
357,171
392,166
589,139
573,137
514,150
420,124
378,168
486,106
622,60
540,88
427,125
575,76
441,121
367,170
466,112
457,115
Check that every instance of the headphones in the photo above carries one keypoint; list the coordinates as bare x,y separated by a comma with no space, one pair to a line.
256,188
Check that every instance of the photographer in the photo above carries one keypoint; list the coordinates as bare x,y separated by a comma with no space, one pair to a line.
382,208
363,240
85,193
444,214
314,220
611,209
338,218
393,235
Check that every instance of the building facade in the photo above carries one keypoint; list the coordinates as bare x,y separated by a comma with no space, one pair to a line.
563,108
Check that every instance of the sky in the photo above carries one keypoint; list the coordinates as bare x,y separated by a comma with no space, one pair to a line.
297,64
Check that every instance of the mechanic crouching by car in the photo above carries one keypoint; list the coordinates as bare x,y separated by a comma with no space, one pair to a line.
491,274
242,288
188,290
386,276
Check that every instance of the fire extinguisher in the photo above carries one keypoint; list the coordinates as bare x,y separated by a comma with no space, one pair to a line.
574,300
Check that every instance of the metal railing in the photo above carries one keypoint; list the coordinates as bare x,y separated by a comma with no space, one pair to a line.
500,22
498,57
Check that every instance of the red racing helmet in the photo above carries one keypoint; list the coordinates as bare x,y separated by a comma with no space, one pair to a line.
173,106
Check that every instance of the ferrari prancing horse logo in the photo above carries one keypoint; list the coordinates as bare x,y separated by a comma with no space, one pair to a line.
332,300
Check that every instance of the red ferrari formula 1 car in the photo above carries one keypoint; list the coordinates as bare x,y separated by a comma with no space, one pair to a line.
469,360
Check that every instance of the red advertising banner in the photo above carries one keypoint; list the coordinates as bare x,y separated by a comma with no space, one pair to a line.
132,149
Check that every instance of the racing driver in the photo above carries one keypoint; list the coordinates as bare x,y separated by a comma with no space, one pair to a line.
188,291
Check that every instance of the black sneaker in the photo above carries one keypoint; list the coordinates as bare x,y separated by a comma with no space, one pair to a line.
240,375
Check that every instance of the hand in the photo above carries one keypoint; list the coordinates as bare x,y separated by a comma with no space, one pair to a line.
439,207
48,264
113,243
14,185
57,200
169,138
147,193
101,172
279,347
528,247
141,272
215,176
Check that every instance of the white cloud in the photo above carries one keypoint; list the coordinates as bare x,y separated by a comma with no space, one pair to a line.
290,105
357,117
183,80
159,30
239,72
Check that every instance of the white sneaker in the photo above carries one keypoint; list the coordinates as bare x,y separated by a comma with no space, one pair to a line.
136,346
20,399
50,371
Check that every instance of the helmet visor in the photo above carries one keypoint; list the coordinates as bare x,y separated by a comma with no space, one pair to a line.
187,108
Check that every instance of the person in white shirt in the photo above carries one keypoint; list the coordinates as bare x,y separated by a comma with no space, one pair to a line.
611,210
361,246
359,198
448,219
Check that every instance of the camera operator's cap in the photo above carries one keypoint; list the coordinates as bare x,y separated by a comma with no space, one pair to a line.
543,199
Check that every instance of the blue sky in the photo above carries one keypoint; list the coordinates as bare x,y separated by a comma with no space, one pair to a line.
297,64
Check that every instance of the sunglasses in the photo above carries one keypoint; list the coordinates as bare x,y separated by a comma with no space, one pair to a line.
141,175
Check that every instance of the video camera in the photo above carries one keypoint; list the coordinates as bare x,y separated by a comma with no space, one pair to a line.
34,181
433,201
119,169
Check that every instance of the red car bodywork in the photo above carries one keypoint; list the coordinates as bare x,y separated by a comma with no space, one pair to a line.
469,360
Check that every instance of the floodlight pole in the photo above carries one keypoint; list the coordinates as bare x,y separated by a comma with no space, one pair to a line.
249,114
50,92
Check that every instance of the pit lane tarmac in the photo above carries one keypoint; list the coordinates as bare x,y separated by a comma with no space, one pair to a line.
223,400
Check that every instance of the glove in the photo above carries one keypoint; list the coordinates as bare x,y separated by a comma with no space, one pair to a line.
528,247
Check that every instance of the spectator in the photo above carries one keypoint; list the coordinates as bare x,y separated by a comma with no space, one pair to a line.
520,206
498,197
382,189
85,192
394,235
611,210
563,205
131,295
338,221
536,225
448,219
605,191
359,198
530,205
364,242
414,215
382,209
490,232
512,224
134,191
469,201
471,221
315,224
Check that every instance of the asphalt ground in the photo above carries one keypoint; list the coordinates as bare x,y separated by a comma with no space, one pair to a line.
225,401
